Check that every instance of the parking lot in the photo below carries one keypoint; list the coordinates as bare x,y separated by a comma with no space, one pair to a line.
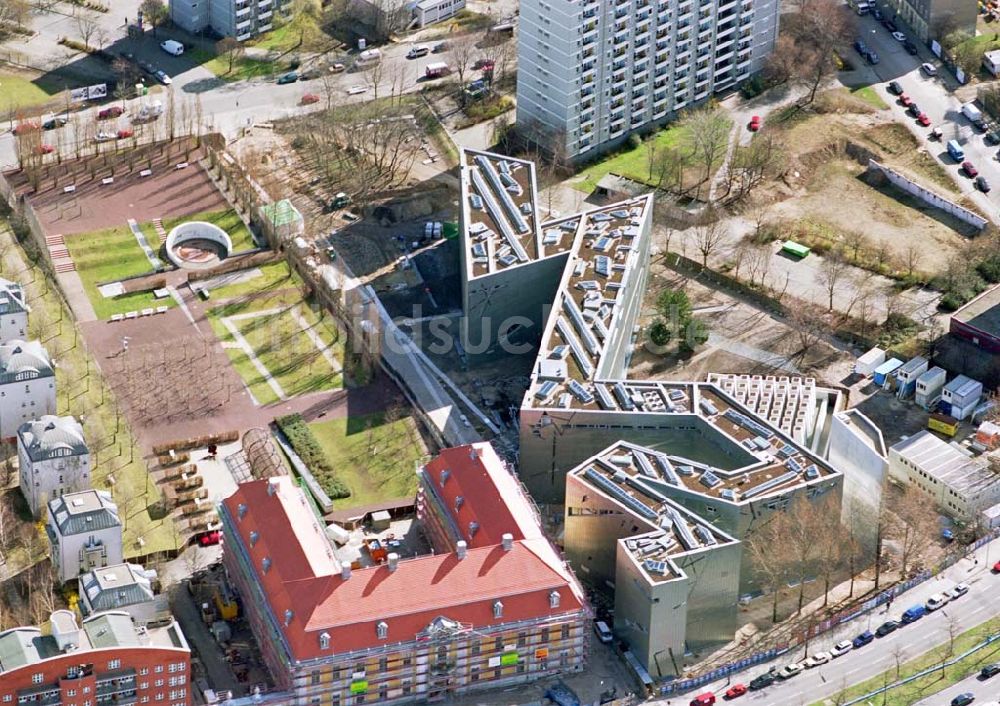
933,94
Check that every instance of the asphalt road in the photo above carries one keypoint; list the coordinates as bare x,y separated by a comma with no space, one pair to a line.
984,690
977,606
934,96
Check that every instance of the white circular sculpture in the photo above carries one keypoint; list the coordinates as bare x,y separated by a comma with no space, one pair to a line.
198,245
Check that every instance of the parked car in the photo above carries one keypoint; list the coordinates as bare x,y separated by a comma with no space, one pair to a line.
755,123
163,78
862,639
790,670
959,590
992,137
990,670
337,67
913,109
970,169
996,568
124,133
440,47
963,699
887,627
841,648
736,690
480,64
889,24
54,122
924,120
705,699
905,99
914,613
417,52
982,184
910,47
355,90
929,69
309,98
147,67
290,77
895,88
44,149
817,659
208,539
936,601
112,111
860,47
172,47
899,36
761,681
603,632
103,136
310,74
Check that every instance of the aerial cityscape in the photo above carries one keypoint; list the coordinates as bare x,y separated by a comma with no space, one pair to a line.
499,353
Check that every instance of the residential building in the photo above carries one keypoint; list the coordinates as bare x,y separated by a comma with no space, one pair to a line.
590,73
53,459
935,19
84,531
493,605
242,19
13,311
857,449
962,487
123,587
675,576
27,385
105,660
961,396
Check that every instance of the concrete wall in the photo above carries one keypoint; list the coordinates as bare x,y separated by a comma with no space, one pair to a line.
864,472
928,197
190,15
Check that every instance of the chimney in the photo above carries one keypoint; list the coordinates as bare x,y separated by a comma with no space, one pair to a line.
393,561
272,487
473,453
345,572
508,541
461,549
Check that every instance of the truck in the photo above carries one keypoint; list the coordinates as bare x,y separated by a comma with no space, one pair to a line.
436,69
973,113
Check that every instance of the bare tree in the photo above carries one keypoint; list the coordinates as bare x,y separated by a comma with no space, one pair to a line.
706,131
808,326
806,51
232,49
155,13
770,567
14,12
832,271
463,55
911,258
708,235
856,242
915,525
86,25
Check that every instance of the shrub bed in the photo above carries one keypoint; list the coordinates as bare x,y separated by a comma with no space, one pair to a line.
301,438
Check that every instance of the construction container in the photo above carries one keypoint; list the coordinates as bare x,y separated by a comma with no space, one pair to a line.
962,396
988,435
942,423
885,370
907,374
929,385
866,364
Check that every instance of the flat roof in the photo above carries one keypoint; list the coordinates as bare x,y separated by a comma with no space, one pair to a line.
983,312
864,428
631,476
942,461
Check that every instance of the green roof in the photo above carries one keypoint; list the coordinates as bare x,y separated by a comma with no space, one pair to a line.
111,630
282,213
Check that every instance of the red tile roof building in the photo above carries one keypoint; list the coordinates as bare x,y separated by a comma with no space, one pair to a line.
107,660
493,605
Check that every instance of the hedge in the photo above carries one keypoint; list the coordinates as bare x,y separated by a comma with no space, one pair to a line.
301,438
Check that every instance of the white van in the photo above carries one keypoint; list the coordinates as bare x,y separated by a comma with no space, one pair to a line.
370,56
604,633
418,51
172,47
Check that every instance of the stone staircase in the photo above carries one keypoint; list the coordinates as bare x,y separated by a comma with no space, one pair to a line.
59,254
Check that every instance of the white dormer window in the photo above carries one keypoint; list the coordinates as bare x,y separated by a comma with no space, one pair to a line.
382,630
497,609
241,510
254,536
324,641
459,501
553,599
444,476
288,617
265,564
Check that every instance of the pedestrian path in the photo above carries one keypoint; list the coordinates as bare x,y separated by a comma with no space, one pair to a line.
59,254
161,232
247,349
140,238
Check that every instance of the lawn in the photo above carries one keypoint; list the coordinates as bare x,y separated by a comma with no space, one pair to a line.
227,219
273,277
110,255
869,96
281,345
21,92
281,38
82,392
930,684
631,162
244,68
376,456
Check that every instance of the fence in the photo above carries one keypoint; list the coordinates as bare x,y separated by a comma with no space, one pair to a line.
927,196
680,686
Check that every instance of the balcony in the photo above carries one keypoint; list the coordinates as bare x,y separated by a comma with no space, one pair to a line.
723,57
242,27
264,28
240,14
724,31
264,16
